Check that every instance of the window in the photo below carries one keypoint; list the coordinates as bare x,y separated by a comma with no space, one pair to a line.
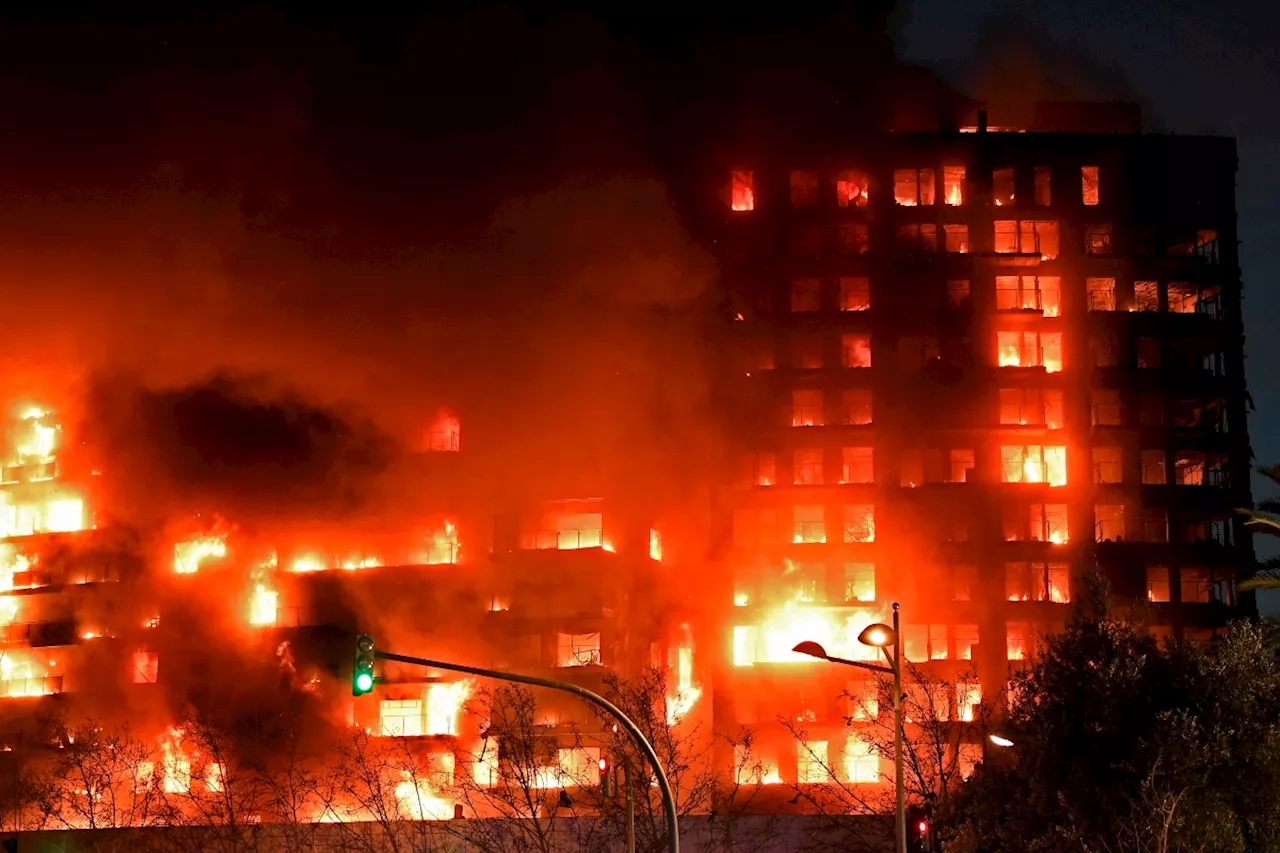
742,190
1034,464
1017,640
913,187
808,467
1157,583
957,292
922,237
859,582
401,717
1029,292
966,637
855,293
1155,525
1183,297
864,700
1031,406
964,580
1097,239
1038,582
911,468
1028,237
806,408
1146,296
1106,407
855,349
957,237
805,240
1108,523
806,352
1216,472
859,523
852,239
1044,186
1153,471
915,353
812,763
1030,349
1102,293
808,580
1194,586
810,525
758,469
1102,350
861,762
1149,353
1107,467
806,294
804,188
857,465
146,667
1089,185
1049,523
1188,469
855,407
1210,302
851,188
953,185
578,649
1150,410
961,466
1002,187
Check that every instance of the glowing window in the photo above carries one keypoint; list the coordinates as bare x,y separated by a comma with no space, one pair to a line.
401,717
861,761
1108,523
806,294
808,467
812,763
1107,467
957,238
859,582
913,187
1049,523
953,185
1155,525
1044,186
1089,185
938,642
855,407
806,408
1029,293
804,188
855,293
1188,468
1183,297
1031,406
859,523
742,190
578,649
857,465
968,697
146,667
809,524
1157,583
1034,464
1028,237
1146,296
911,468
1017,640
1097,239
1153,470
806,352
1030,349
863,700
1149,353
966,637
762,468
655,544
855,349
578,530
851,188
964,579
1194,586
1101,293
1002,188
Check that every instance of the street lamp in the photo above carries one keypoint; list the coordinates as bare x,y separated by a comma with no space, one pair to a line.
1000,741
880,636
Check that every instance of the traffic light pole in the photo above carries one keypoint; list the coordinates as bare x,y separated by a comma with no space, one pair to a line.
668,799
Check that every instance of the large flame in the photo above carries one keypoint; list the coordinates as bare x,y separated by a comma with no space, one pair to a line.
177,766
418,799
187,556
772,640
444,703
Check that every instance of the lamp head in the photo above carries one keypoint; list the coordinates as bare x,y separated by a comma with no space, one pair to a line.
878,634
812,649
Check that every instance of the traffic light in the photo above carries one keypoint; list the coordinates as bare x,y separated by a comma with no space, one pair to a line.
606,783
362,668
919,829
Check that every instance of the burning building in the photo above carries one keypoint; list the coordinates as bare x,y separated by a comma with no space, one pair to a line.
963,367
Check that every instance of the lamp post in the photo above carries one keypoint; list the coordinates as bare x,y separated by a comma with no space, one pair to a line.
881,636
664,787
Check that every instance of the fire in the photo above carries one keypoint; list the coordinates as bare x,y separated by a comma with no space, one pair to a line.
361,563
418,800
772,640
263,606
445,433
444,702
20,675
177,766
442,545
39,438
309,563
187,556
687,693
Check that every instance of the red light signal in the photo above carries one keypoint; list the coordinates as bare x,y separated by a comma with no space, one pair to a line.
923,826
604,765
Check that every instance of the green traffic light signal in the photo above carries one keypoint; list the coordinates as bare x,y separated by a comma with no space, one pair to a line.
362,668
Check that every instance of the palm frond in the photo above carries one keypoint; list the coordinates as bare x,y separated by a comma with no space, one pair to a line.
1260,582
1271,472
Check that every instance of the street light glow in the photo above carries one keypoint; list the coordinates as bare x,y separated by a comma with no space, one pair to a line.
1000,741
878,635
